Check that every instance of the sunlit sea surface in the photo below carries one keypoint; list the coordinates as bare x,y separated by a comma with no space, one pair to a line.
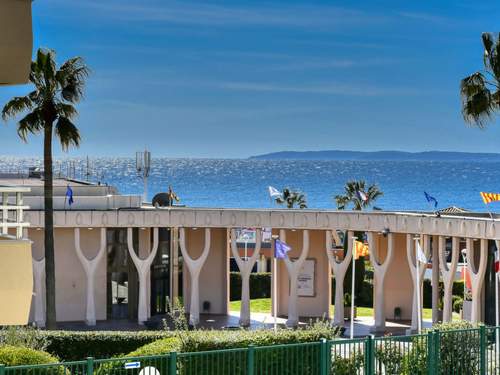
243,183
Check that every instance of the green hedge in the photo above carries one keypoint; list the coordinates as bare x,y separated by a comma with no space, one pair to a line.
277,359
260,285
77,345
17,355
457,290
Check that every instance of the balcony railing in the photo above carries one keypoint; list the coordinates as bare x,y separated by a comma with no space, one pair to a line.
11,211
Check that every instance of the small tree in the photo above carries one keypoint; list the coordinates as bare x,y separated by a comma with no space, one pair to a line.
292,198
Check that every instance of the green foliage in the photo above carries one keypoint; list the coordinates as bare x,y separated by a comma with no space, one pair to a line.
350,196
11,355
74,345
341,365
292,198
480,91
260,285
390,355
458,303
24,336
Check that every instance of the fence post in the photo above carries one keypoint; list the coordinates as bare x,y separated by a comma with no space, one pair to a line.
2,369
322,357
172,368
90,365
369,355
482,350
430,353
250,360
437,351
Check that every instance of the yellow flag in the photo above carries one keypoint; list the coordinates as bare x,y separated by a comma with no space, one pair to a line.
490,197
360,249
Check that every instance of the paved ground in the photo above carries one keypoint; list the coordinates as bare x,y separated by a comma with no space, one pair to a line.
362,325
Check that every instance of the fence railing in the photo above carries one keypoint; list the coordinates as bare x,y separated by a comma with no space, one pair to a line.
467,351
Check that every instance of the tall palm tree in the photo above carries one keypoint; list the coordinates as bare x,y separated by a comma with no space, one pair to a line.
353,193
292,198
49,111
480,91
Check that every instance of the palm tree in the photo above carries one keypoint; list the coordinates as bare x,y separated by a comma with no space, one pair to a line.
292,198
359,197
49,110
353,193
480,91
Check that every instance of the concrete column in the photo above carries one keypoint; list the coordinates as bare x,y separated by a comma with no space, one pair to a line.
412,264
143,267
245,267
476,275
380,270
435,280
448,273
293,269
90,267
339,270
194,268
39,283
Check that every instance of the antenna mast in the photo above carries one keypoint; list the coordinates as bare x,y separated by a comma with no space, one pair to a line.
143,167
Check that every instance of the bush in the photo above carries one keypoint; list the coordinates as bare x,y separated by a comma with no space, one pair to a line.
77,345
341,365
25,336
260,285
457,304
11,355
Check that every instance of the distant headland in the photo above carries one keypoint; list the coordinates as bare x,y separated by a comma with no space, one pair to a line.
379,156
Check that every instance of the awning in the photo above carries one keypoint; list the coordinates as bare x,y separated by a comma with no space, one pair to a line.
16,41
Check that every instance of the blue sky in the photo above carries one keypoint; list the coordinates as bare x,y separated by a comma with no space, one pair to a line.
233,79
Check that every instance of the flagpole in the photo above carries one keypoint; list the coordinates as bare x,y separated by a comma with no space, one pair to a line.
275,293
497,336
417,262
353,252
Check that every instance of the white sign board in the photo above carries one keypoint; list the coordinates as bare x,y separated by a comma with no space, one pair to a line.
306,279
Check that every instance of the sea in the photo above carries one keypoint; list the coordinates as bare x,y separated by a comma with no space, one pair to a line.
243,183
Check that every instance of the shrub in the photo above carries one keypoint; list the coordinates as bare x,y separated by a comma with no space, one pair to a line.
390,355
77,345
457,304
342,365
260,285
11,355
25,336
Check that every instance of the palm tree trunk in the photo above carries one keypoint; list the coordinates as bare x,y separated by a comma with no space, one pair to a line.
50,276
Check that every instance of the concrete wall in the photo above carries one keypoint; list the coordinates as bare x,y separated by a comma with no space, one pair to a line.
398,288
214,276
70,276
317,306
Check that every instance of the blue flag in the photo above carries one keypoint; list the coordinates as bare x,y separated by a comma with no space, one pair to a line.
280,249
69,195
431,199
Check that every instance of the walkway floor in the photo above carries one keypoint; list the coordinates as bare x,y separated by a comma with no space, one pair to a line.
362,325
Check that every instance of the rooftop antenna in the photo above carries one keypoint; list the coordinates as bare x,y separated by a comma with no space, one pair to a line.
143,167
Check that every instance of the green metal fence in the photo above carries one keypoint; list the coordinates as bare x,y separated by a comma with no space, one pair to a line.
467,351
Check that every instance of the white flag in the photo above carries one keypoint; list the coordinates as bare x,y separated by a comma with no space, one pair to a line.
420,254
273,192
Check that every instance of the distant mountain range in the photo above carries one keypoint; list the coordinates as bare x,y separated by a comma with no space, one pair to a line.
379,155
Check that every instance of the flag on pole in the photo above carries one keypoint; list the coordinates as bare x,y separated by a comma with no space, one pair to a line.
490,197
69,195
466,276
280,249
420,254
273,192
360,249
431,199
361,195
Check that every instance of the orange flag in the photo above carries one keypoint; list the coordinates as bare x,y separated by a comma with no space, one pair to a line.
466,276
360,249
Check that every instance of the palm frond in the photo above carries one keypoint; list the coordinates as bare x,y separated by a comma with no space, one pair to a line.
67,132
32,123
71,77
16,106
66,110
